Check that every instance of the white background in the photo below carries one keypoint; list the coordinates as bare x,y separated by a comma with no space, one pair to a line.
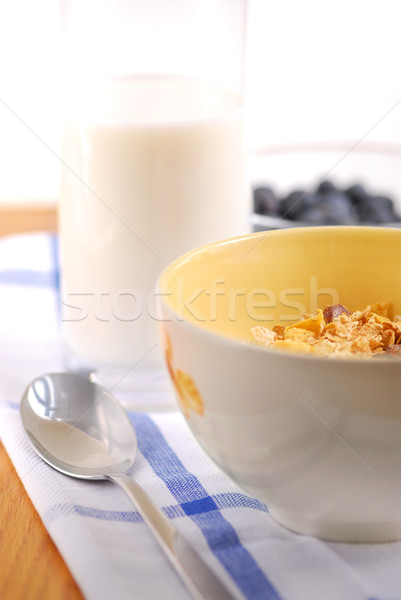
314,71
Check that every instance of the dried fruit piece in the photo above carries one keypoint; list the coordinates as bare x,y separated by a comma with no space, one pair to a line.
333,311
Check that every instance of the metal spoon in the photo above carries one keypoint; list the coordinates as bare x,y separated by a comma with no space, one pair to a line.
80,429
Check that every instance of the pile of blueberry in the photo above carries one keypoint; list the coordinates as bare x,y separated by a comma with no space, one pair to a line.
326,205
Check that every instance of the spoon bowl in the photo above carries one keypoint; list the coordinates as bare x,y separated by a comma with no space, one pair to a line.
80,429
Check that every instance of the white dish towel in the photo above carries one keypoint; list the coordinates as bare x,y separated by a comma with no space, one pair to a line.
109,550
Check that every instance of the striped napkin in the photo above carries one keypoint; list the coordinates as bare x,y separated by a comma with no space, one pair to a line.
105,543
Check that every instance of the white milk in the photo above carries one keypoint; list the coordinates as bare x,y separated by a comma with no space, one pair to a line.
155,166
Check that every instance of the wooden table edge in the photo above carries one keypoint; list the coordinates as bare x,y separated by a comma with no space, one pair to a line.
31,565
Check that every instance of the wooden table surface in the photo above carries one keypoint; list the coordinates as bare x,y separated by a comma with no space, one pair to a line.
31,567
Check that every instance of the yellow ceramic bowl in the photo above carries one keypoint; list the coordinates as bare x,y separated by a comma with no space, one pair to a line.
318,439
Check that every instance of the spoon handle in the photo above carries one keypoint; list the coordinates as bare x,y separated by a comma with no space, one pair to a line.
195,574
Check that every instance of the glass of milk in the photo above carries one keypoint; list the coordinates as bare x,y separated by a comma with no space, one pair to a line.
154,164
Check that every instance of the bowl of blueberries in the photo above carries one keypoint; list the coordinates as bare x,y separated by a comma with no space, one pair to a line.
326,184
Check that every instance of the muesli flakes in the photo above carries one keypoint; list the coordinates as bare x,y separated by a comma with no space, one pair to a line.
336,331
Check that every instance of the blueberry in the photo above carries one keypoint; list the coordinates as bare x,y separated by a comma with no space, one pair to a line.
296,202
356,193
265,201
372,209
333,208
325,187
328,205
385,201
376,209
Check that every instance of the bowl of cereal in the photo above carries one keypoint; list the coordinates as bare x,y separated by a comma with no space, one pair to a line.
282,348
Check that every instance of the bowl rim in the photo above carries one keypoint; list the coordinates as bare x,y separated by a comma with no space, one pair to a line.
389,362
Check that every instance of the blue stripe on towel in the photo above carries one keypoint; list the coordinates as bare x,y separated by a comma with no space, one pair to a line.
231,499
127,516
224,500
34,277
192,496
28,277
60,510
174,511
54,255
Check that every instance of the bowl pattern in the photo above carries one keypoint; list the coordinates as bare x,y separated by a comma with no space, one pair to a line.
318,439
188,396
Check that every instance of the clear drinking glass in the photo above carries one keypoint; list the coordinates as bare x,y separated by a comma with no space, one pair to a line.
154,164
